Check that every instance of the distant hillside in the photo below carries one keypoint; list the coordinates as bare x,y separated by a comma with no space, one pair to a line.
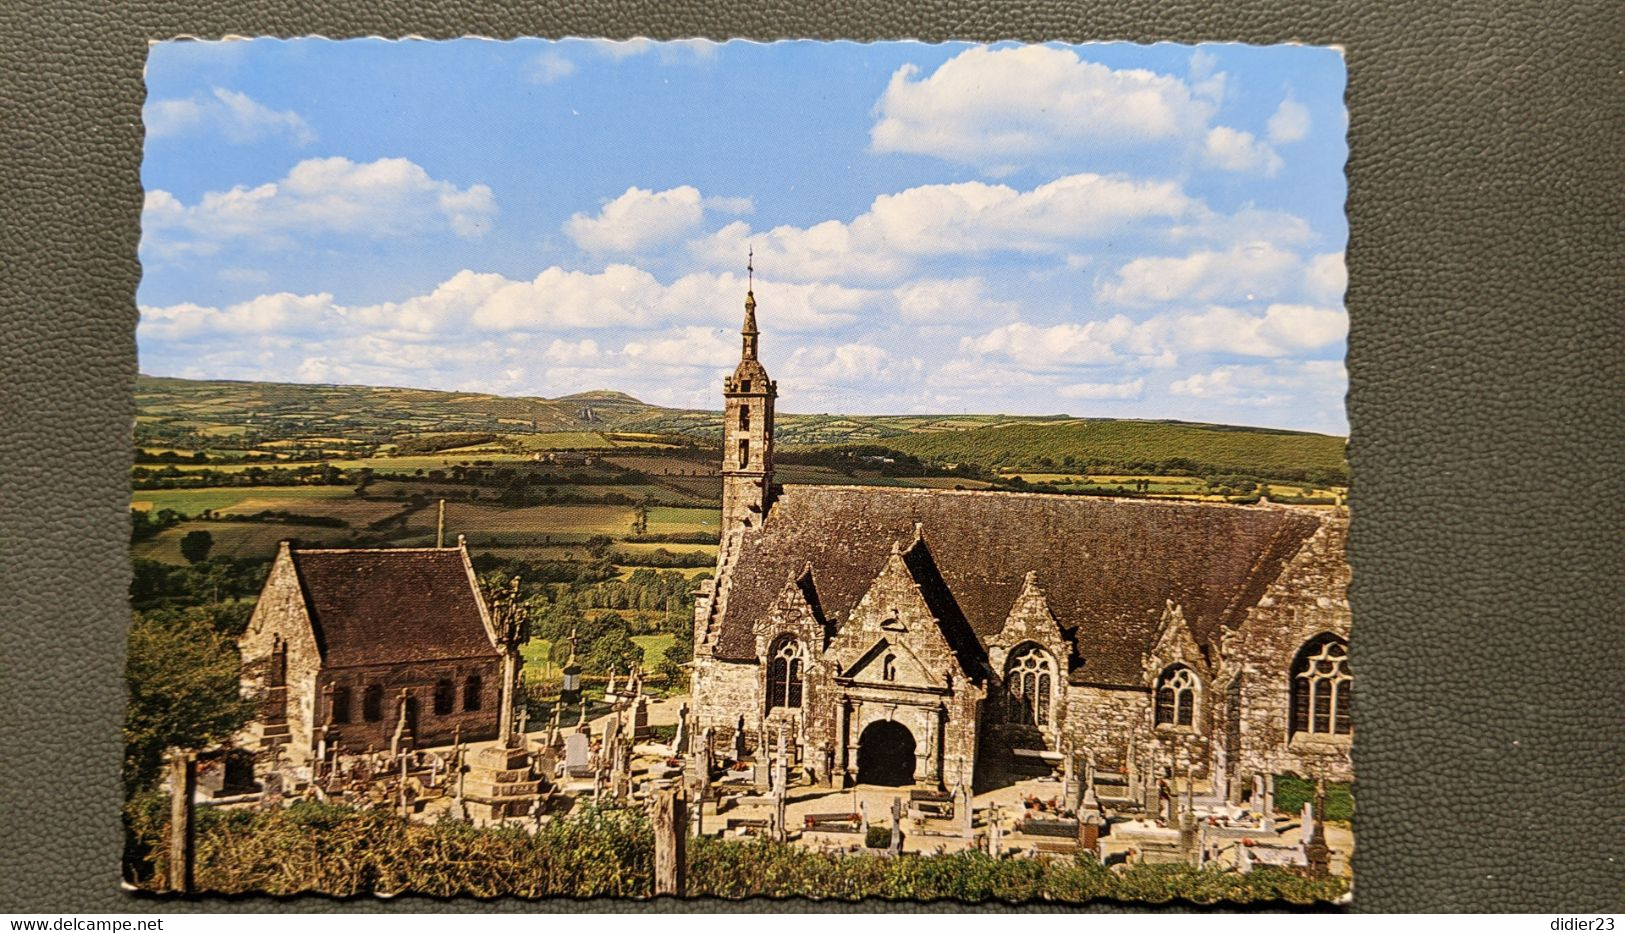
1150,445
303,423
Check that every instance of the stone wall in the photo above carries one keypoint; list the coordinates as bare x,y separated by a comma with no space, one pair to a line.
419,681
1102,721
280,616
1309,598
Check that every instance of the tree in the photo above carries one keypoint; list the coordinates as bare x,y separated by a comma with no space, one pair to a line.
195,546
182,678
612,650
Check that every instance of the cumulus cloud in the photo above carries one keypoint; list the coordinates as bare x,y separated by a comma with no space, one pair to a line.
386,198
1000,108
1160,341
641,218
1326,278
946,301
1234,150
233,115
1289,123
960,218
1248,271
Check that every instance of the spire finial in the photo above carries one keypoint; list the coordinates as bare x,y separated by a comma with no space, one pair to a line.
750,267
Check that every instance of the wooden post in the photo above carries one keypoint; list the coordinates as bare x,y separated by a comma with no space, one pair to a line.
671,833
182,785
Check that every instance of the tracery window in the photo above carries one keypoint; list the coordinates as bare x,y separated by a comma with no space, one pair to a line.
785,669
471,693
1322,688
1176,696
445,697
1029,681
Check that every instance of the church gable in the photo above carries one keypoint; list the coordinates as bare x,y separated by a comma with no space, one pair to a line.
1030,620
892,664
1175,645
896,611
794,612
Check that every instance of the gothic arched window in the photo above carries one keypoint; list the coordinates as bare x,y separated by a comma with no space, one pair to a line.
785,668
471,693
1322,688
372,703
445,697
1176,696
1029,682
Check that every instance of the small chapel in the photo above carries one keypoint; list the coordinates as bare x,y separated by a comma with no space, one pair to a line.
946,638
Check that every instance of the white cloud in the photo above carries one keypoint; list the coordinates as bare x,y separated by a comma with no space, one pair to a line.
960,218
1091,343
1249,271
1289,123
1159,342
705,347
1236,150
549,68
944,301
389,197
999,108
1326,278
1309,384
232,114
641,218
671,51
848,364
1132,388
572,353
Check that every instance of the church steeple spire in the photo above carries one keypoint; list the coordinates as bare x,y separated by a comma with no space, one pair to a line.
749,332
747,426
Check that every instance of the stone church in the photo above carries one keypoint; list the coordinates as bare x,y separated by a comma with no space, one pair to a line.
369,648
942,637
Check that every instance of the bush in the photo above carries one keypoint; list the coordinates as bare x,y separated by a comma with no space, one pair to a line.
1292,792
315,847
879,837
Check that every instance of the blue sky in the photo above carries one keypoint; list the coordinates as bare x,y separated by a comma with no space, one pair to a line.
1100,230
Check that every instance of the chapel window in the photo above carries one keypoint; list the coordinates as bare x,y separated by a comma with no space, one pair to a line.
785,669
340,704
445,697
1176,696
1029,682
372,703
471,693
1322,688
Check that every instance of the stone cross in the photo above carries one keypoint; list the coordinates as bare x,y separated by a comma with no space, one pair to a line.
679,742
962,810
524,720
609,689
1307,818
739,739
399,738
581,719
995,832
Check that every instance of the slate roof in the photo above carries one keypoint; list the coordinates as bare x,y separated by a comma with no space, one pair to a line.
392,606
1107,565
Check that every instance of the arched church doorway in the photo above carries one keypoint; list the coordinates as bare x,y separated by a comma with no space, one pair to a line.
886,754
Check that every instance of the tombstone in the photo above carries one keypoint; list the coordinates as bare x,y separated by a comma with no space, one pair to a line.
962,812
609,689
1267,806
739,739
640,718
707,740
863,818
577,755
995,832
1306,830
896,847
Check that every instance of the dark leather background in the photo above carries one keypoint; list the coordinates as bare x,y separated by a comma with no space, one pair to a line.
1487,408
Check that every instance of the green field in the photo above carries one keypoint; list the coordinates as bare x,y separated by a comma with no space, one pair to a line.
194,501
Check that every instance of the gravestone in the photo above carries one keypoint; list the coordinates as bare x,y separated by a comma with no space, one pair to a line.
577,755
640,718
962,812
896,847
1306,818
739,739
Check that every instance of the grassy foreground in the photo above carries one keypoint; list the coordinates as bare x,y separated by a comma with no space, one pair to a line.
318,848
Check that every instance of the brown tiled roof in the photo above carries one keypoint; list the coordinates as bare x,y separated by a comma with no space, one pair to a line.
388,606
1106,565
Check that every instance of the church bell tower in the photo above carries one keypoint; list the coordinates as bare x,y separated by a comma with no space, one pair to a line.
747,430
